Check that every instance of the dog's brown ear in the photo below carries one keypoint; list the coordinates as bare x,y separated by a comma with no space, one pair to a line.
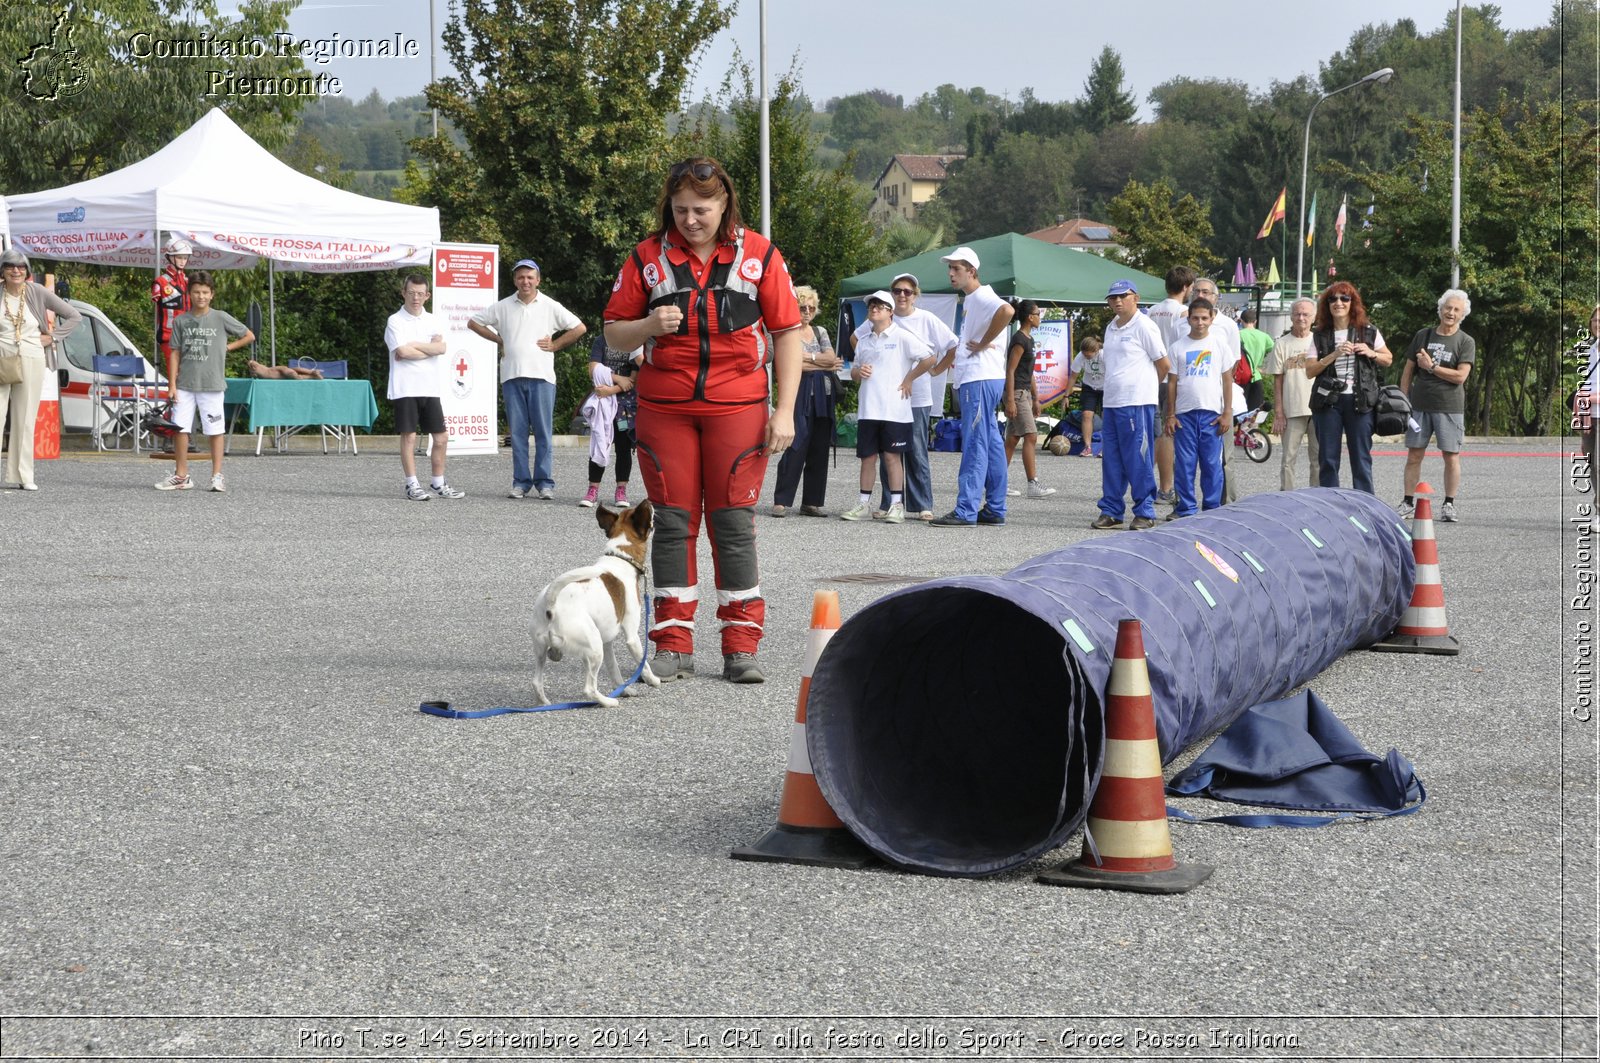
642,517
606,518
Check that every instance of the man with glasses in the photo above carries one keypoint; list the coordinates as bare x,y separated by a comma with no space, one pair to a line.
1136,363
980,377
928,328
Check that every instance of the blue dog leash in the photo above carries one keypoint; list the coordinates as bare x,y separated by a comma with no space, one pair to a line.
442,708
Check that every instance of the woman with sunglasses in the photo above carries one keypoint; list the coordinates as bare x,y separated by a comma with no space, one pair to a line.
26,335
813,425
1349,353
712,304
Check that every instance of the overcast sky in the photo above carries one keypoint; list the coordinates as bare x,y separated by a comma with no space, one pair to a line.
1004,46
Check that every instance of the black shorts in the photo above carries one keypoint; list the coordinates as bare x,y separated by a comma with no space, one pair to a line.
882,437
418,413
1093,400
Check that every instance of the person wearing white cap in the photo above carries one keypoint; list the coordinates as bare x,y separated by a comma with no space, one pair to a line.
930,329
525,326
888,361
1136,363
979,364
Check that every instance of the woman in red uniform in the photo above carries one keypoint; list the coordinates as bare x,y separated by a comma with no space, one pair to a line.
712,303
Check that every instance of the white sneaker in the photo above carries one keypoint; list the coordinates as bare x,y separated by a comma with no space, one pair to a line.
218,484
415,493
519,493
896,514
1039,490
1012,492
1447,513
855,512
175,483
446,491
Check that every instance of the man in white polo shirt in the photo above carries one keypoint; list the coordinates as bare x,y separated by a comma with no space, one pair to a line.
979,363
524,327
1136,362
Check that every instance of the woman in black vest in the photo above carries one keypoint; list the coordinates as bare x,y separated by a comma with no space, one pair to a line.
1349,353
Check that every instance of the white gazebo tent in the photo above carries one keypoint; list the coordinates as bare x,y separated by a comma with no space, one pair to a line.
233,200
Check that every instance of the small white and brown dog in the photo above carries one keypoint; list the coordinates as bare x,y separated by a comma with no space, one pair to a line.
586,610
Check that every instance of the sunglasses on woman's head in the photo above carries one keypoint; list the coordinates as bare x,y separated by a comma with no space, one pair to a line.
703,171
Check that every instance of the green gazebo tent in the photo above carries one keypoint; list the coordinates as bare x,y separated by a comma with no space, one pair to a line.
1018,267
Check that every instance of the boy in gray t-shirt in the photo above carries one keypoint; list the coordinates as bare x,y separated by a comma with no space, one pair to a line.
202,339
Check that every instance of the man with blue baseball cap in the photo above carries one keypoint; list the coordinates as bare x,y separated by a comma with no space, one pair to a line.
1136,363
524,327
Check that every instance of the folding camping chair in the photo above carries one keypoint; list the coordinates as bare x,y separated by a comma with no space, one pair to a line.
119,402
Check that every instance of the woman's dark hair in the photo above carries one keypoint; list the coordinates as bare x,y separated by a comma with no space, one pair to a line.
1026,309
1358,310
704,176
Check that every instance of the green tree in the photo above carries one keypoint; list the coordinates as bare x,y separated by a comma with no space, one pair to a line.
1105,102
1020,186
1527,236
86,92
819,216
561,106
1159,230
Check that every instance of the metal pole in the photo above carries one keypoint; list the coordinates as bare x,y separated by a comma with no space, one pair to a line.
1455,179
1300,244
272,310
1376,77
433,63
766,135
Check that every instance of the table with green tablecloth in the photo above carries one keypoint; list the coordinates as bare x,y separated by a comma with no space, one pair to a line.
336,407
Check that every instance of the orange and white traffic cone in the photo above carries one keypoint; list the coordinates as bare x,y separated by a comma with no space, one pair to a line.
1423,628
808,831
1126,843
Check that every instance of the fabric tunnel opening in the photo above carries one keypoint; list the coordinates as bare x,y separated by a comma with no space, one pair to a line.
944,770
956,727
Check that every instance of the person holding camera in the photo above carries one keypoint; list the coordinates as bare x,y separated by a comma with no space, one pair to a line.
1349,352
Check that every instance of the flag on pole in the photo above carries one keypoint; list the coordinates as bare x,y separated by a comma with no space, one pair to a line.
1311,221
1238,273
1338,225
1279,212
1249,273
1273,280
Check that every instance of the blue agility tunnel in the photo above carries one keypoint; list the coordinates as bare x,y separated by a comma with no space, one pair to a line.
956,726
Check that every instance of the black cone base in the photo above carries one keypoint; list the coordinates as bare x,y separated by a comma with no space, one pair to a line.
835,847
1445,645
1180,879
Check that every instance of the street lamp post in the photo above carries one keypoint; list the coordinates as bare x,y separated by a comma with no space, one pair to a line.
1377,77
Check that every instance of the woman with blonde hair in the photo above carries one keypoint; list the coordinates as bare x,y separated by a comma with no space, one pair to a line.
807,459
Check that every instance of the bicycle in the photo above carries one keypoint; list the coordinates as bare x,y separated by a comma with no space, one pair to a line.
1247,433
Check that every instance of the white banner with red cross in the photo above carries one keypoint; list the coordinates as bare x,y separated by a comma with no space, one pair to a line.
1052,360
465,281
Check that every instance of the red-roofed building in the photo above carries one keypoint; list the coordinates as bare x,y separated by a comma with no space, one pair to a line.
1080,234
907,182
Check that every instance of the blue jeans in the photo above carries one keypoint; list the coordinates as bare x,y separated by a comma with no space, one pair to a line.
1197,444
1342,419
529,404
1128,461
918,474
981,483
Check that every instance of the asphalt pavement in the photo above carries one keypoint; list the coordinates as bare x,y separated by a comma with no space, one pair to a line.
230,832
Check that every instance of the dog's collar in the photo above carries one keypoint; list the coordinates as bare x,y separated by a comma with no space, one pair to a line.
625,557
